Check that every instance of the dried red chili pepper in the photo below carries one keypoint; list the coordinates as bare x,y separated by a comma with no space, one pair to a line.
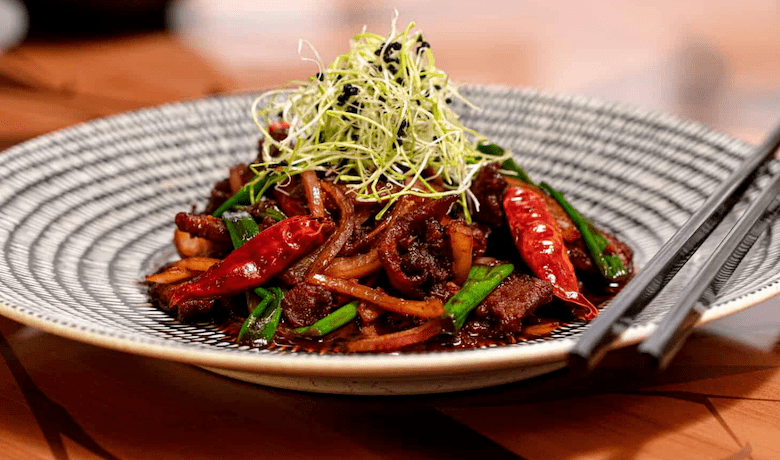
258,260
540,242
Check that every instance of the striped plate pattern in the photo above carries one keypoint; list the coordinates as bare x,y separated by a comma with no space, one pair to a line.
86,212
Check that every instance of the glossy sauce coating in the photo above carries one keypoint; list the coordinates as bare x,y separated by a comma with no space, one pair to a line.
540,242
258,260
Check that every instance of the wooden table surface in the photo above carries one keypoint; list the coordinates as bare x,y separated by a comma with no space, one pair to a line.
62,399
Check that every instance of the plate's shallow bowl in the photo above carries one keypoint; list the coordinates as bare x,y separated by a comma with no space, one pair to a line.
88,211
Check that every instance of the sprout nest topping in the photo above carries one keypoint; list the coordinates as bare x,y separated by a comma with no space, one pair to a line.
376,120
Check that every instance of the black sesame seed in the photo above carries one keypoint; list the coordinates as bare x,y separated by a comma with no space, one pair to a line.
320,76
448,100
402,128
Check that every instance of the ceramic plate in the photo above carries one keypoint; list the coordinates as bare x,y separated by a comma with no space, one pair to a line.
86,212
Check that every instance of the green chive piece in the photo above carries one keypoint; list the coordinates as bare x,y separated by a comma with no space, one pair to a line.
491,149
240,197
274,214
261,324
266,327
241,226
508,164
482,280
251,320
610,265
330,323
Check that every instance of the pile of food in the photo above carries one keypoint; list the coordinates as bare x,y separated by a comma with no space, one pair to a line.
373,221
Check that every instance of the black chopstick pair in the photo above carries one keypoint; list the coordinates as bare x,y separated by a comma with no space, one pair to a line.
676,325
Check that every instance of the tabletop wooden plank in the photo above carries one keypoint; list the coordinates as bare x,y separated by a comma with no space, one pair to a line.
49,86
132,405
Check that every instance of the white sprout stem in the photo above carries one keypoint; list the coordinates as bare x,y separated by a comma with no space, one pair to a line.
376,118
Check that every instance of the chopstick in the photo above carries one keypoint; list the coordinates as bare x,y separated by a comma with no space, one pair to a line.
670,334
639,292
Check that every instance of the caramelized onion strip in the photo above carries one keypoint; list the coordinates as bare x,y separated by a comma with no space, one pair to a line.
235,179
397,340
462,243
192,246
171,275
313,188
428,308
343,231
197,264
356,266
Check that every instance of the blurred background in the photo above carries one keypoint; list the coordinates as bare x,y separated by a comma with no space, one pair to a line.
714,61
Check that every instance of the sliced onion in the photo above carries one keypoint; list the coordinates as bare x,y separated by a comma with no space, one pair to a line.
192,246
462,243
196,264
343,231
356,266
428,308
172,275
311,183
236,180
398,340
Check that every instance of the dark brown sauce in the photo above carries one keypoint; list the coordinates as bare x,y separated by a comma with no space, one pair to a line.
471,336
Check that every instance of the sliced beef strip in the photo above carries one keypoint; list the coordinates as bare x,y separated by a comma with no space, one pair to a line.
515,298
306,303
